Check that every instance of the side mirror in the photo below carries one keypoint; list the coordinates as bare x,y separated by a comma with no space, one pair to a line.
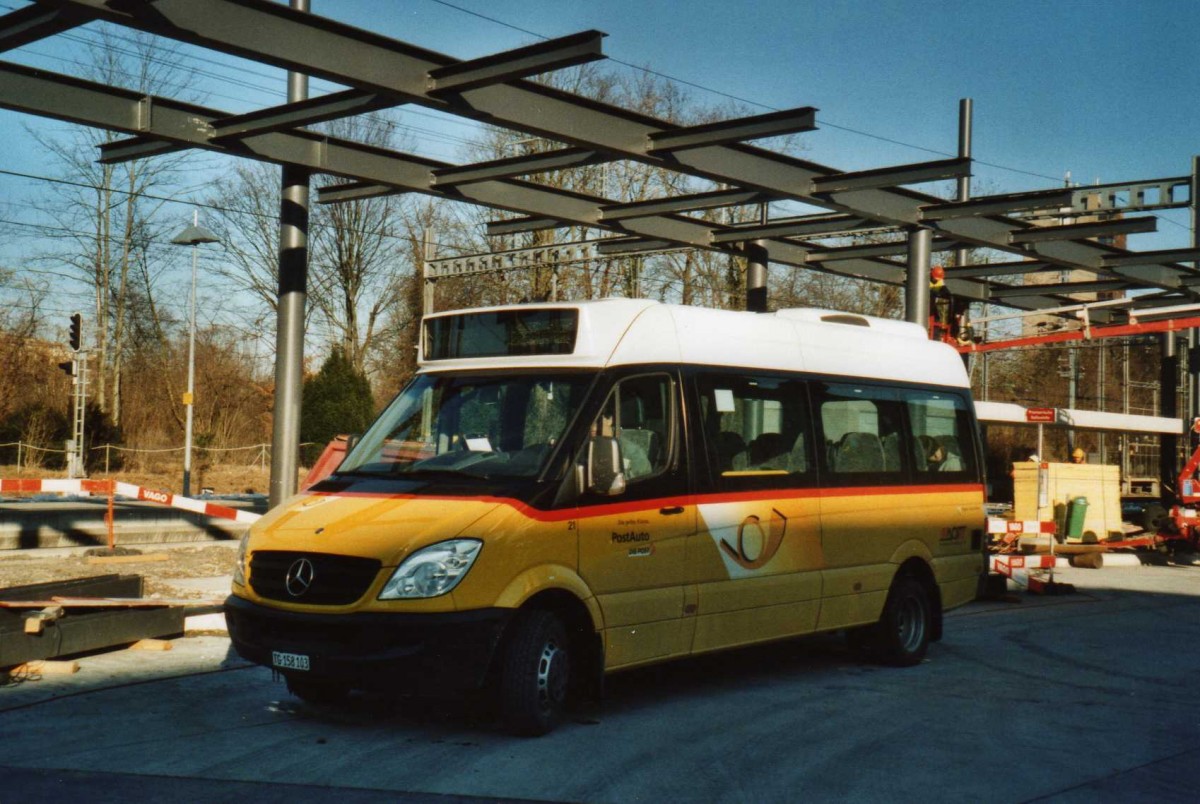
605,470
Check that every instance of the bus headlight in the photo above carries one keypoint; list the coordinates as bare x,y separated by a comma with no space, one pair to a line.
433,570
239,568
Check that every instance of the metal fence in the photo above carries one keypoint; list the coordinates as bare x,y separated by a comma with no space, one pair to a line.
28,454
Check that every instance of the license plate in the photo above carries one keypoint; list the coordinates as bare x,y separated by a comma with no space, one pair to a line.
289,661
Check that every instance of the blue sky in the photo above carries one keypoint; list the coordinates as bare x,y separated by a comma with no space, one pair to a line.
1096,88
1099,88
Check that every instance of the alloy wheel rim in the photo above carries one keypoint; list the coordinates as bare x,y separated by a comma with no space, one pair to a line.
552,673
911,624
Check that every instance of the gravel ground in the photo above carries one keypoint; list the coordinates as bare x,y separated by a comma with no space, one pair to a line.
159,565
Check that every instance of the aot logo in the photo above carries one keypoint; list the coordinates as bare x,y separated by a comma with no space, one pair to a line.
156,496
755,545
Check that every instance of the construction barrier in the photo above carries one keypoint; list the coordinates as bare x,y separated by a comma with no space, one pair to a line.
1005,534
112,488
1033,572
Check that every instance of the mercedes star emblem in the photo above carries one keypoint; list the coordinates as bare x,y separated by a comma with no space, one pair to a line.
299,577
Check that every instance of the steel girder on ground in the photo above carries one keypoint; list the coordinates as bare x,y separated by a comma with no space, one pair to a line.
490,90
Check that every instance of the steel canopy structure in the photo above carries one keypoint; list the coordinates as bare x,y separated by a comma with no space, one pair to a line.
382,72
378,72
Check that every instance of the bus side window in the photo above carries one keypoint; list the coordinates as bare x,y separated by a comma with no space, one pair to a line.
941,427
756,430
862,425
639,416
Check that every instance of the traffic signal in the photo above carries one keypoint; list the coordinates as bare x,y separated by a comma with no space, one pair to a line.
69,367
76,331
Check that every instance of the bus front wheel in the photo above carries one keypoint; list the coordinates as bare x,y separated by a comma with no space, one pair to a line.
536,673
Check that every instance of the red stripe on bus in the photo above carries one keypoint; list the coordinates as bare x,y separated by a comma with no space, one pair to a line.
632,506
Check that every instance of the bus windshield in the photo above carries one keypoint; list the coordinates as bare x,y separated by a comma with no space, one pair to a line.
487,426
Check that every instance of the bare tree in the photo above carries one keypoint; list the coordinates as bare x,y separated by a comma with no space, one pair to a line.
105,210
355,247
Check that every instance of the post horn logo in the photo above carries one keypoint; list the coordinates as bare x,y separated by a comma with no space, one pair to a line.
299,577
756,546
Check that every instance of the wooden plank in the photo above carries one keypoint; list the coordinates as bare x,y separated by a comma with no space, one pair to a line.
105,602
42,667
128,559
151,644
35,621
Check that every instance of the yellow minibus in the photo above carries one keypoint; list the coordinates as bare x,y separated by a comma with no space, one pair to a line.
570,489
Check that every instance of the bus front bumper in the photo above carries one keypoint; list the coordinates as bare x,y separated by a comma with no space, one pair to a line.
403,653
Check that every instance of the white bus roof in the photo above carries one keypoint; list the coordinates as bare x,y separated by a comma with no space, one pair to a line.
613,332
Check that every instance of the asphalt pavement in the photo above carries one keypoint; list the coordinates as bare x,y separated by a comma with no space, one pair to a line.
1073,698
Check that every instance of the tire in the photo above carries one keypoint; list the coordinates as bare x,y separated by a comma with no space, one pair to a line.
535,674
317,691
901,637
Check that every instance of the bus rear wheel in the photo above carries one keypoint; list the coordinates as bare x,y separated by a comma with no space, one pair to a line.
535,675
901,638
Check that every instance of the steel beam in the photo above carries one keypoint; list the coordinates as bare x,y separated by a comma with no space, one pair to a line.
87,630
631,245
34,23
989,270
516,166
1059,289
133,148
682,203
1108,197
772,124
808,226
302,113
1079,231
996,205
523,225
514,259
353,191
875,250
893,176
500,68
1151,257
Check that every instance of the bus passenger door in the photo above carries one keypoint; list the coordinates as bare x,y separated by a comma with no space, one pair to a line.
635,522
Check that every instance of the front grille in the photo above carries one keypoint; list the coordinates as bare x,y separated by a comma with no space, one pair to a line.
331,580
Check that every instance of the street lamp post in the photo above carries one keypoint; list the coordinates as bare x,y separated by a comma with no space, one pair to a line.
192,236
